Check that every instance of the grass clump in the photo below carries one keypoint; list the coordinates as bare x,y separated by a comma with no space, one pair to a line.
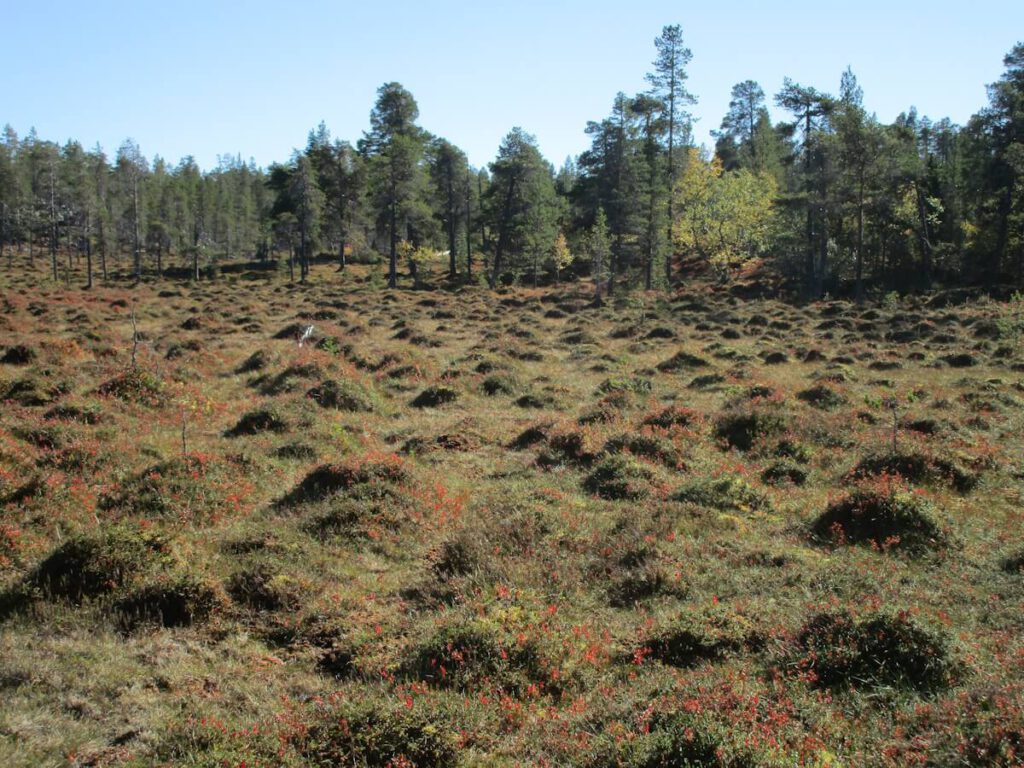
682,361
136,385
822,397
647,447
619,477
700,634
883,649
783,472
261,587
362,733
175,600
434,397
258,420
341,395
673,417
916,467
97,564
193,487
890,519
464,656
330,479
569,448
744,429
725,494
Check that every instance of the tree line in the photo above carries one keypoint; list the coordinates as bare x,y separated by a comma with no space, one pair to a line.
830,200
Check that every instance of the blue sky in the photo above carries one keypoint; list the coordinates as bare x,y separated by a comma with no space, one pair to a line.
209,78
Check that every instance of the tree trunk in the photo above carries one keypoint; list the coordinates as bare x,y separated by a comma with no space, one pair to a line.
469,230
135,229
859,291
452,273
924,235
393,255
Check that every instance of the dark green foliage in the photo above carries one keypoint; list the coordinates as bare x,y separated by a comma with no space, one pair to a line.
698,635
566,448
329,479
781,472
365,735
742,430
257,361
893,520
673,744
19,354
619,477
917,467
726,494
646,447
262,587
1014,563
499,385
259,420
341,395
97,564
637,385
433,397
177,600
29,392
87,414
673,416
960,360
136,385
682,361
822,397
877,650
469,655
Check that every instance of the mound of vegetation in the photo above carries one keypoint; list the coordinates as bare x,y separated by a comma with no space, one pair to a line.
673,741
647,447
174,600
193,487
619,477
136,385
434,397
782,472
1014,563
90,414
825,398
500,384
700,634
572,448
262,587
96,564
330,479
257,361
638,385
287,380
360,733
19,354
888,519
30,392
882,649
743,429
342,395
726,494
609,408
473,655
266,419
916,467
531,436
674,416
682,361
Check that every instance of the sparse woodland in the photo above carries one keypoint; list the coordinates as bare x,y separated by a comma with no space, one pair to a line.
660,460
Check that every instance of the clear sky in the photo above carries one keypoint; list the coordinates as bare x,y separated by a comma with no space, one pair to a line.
252,78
